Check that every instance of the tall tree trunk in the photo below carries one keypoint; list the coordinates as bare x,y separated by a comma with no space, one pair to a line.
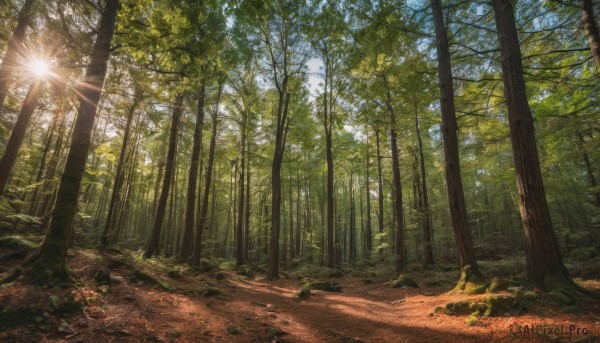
18,133
280,135
542,251
399,212
368,233
51,263
427,231
115,198
153,244
590,26
239,254
379,181
247,215
202,220
14,46
456,198
186,243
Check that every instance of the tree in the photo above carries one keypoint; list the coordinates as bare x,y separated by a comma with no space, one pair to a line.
456,199
18,133
153,242
50,263
9,62
590,26
544,262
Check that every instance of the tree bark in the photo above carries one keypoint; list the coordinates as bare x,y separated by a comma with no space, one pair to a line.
399,212
590,26
281,130
368,233
116,196
9,62
18,133
203,220
427,231
542,251
51,263
239,254
186,242
379,180
456,199
153,244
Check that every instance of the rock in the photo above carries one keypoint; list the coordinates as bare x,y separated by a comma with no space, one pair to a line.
210,291
232,330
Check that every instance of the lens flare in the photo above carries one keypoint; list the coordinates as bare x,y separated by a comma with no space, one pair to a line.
40,68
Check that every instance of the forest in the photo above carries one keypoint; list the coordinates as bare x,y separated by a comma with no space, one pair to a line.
299,171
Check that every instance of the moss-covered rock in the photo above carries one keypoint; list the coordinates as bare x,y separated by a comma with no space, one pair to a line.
210,291
404,281
326,286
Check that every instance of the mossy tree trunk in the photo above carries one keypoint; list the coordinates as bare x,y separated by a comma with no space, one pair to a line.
456,198
542,251
50,263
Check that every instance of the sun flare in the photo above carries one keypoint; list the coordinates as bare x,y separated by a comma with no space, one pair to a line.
40,68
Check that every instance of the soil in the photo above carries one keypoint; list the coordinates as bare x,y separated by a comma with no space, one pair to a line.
251,309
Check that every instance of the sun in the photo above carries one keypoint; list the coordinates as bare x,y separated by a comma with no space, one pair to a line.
40,68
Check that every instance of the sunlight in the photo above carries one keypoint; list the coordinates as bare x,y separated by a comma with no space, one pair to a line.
39,68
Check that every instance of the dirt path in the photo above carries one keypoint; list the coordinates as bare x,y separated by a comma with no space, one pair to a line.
249,310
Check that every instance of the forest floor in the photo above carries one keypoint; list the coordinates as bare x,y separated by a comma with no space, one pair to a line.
220,304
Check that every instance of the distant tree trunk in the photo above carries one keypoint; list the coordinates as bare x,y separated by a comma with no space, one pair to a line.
203,220
18,133
153,244
427,231
291,231
379,181
399,213
116,196
368,233
456,198
51,263
328,125
239,253
280,137
186,243
247,218
588,168
542,251
9,62
590,26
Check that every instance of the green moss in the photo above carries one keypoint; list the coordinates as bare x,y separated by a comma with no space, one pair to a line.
326,286
210,291
304,292
140,275
404,281
17,242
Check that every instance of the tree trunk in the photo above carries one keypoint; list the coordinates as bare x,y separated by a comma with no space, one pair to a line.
591,29
186,243
379,181
18,133
14,46
115,198
281,128
456,198
399,212
153,244
542,251
239,253
427,231
202,220
368,233
51,263
247,215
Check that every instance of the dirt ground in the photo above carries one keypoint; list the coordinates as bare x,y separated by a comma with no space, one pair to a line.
250,309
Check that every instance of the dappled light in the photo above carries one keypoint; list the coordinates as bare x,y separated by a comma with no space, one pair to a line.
299,171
